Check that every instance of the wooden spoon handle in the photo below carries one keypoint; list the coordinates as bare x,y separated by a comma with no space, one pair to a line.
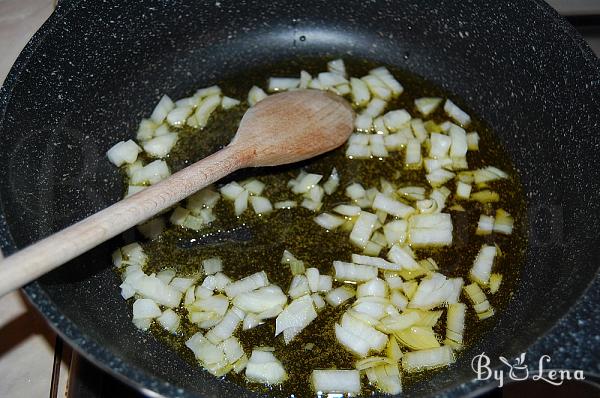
47,254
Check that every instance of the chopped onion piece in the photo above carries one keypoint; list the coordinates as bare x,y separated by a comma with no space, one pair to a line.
261,205
485,196
349,272
363,331
263,367
145,308
212,265
255,95
399,255
455,325
152,173
427,105
375,262
339,295
459,146
169,320
363,228
495,281
394,120
351,342
241,203
146,130
503,223
439,145
159,147
299,286
182,284
306,183
296,316
375,287
375,108
282,83
318,301
377,87
164,106
412,158
473,141
436,290
481,305
427,359
179,115
430,229
260,300
337,66
224,329
330,79
392,206
482,266
332,182
463,190
488,174
153,288
456,113
335,381
123,152
231,191
386,77
360,92
228,102
143,323
247,284
204,110
485,225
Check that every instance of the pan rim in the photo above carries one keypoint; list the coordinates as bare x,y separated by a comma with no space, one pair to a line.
104,359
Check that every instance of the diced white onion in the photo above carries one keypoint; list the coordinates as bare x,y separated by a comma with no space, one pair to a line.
339,295
247,284
282,83
263,367
329,221
152,173
295,317
255,95
123,152
145,308
427,359
169,320
360,92
395,119
228,102
260,300
212,265
349,272
482,266
162,109
427,105
261,205
159,147
456,113
335,381
363,228
375,262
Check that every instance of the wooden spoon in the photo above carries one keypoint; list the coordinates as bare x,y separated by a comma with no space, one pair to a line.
282,128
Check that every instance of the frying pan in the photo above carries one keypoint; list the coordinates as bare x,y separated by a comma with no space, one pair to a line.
95,68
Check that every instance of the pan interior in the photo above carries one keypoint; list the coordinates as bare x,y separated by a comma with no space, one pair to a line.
91,79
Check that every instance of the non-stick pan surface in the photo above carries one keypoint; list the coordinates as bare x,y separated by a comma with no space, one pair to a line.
95,68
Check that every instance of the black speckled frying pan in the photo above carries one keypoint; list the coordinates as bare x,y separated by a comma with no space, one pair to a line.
95,68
